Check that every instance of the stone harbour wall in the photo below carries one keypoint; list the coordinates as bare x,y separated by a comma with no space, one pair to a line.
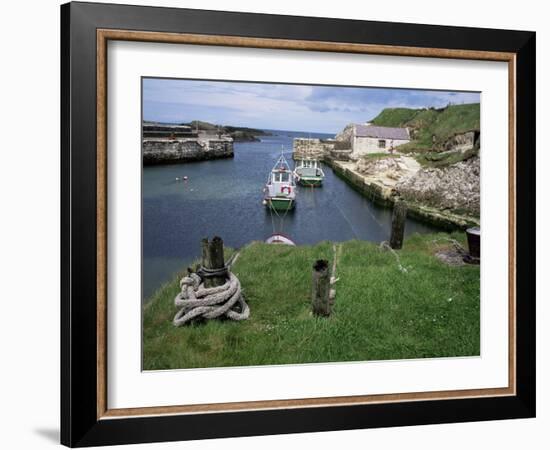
165,151
385,196
308,148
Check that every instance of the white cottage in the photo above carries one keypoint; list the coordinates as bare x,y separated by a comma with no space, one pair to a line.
367,138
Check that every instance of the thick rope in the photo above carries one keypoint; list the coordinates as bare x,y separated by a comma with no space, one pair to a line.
332,293
384,245
196,301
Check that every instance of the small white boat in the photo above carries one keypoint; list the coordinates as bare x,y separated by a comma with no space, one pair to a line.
280,189
280,239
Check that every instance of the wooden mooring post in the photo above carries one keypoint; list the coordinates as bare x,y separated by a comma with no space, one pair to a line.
398,224
213,262
320,291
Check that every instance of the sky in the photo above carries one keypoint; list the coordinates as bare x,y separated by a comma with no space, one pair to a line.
292,107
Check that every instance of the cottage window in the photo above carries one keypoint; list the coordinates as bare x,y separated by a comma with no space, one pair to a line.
381,143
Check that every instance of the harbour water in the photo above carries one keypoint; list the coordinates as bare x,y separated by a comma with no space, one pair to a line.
224,198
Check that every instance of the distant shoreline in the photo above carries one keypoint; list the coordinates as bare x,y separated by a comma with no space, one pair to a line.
174,143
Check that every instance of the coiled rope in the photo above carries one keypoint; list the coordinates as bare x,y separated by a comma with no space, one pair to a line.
196,301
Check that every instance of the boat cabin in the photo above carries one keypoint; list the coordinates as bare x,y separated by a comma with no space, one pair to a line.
281,176
307,163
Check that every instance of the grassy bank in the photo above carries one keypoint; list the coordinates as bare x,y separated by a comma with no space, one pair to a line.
428,122
380,312
376,156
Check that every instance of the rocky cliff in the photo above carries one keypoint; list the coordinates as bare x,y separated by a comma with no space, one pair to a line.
455,187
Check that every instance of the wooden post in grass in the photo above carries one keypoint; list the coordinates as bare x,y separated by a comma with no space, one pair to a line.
320,291
213,261
398,224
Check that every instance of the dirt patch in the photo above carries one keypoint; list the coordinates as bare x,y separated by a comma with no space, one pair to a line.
451,257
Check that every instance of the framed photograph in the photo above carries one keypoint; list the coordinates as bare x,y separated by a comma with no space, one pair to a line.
277,224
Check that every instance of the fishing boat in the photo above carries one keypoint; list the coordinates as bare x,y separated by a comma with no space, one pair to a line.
280,189
308,172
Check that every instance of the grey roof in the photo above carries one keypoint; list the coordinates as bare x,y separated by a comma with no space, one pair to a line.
381,132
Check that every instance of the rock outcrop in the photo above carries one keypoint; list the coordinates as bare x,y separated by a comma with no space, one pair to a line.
455,188
346,134
393,168
462,141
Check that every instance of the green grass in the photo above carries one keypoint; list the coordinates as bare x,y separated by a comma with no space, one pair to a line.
380,312
374,156
435,159
394,117
443,123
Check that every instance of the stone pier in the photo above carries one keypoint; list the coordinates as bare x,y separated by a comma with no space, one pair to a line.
168,151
